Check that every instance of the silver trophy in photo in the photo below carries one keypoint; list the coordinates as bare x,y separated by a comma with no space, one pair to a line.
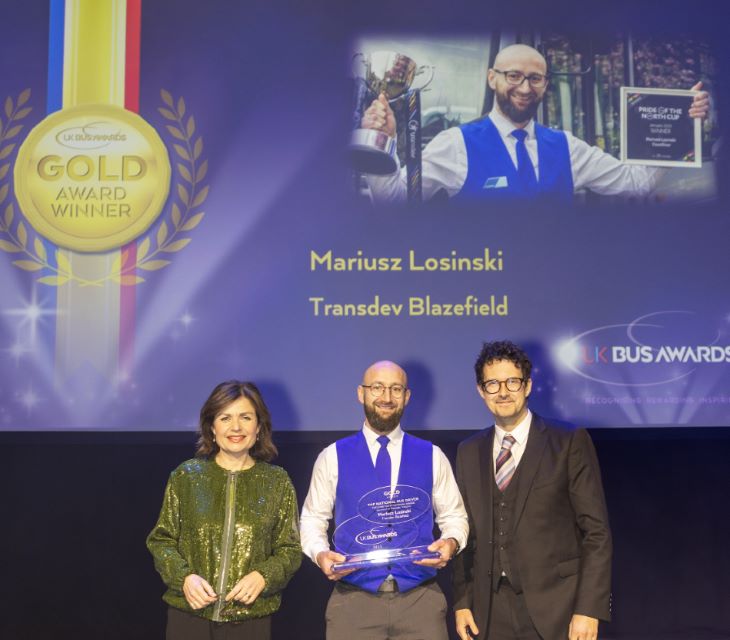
391,74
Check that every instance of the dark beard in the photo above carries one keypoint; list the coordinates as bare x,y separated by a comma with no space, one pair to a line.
518,116
380,423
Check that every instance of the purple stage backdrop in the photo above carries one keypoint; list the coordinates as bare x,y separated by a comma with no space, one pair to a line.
292,280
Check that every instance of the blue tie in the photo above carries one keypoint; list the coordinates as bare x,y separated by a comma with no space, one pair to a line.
382,462
525,170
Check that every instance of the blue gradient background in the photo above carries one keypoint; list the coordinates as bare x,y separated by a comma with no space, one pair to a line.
267,84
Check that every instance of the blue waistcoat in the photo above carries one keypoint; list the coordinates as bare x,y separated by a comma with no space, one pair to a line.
356,476
492,174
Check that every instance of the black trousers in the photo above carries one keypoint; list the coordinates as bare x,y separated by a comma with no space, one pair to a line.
508,617
182,625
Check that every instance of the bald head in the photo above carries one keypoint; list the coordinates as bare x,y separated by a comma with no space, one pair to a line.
518,81
387,368
515,56
384,394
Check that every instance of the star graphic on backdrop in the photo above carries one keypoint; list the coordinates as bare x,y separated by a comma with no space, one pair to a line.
182,325
29,399
186,319
31,315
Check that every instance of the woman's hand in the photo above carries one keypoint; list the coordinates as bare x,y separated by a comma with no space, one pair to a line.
198,592
248,588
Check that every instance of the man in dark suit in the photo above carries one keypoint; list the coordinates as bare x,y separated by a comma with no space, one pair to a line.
538,562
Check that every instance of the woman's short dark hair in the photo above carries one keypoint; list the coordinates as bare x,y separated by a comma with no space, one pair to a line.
502,350
225,393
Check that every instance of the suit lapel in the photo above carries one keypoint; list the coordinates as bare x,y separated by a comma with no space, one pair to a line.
529,464
486,473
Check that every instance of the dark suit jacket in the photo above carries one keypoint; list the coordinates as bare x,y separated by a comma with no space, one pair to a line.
560,543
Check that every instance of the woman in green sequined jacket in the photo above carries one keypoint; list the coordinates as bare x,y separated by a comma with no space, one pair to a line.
226,542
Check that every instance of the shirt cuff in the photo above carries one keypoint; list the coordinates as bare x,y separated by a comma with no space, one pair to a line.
457,535
316,551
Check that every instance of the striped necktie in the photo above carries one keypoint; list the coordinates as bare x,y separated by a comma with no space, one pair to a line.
505,466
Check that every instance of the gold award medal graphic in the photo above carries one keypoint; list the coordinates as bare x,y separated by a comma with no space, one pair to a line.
92,178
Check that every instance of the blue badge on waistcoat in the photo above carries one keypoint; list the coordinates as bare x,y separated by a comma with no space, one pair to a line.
498,182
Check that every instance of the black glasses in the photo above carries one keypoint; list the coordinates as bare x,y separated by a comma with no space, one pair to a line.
493,386
378,389
516,78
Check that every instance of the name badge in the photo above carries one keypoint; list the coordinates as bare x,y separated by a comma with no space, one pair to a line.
498,182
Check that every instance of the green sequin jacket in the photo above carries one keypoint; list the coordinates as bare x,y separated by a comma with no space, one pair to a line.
222,525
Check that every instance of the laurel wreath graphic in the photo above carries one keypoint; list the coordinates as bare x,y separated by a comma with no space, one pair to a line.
183,214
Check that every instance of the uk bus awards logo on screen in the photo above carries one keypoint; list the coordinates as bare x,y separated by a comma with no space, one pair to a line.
618,354
653,349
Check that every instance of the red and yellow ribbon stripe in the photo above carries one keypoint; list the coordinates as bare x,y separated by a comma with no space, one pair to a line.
94,58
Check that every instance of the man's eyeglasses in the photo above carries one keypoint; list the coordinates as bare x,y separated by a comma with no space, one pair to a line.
516,78
493,386
378,389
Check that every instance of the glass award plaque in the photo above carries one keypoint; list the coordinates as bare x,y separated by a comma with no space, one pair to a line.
385,529
656,128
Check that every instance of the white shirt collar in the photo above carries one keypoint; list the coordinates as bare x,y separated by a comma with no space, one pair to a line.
505,126
372,438
519,433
